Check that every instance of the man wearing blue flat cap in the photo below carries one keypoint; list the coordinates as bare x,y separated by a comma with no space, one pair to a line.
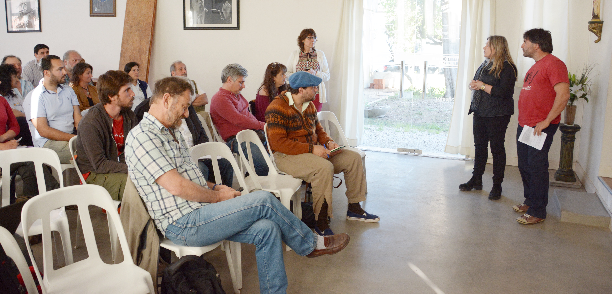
302,149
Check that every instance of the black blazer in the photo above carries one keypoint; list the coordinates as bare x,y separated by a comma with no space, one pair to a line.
500,101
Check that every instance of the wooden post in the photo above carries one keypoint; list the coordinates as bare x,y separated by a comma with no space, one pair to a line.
138,31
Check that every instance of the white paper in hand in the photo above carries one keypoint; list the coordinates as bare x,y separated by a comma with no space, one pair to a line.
527,137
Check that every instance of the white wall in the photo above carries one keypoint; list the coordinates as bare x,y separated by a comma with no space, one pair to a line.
268,33
66,25
597,126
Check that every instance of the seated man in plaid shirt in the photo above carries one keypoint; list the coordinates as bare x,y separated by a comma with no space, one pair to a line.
191,212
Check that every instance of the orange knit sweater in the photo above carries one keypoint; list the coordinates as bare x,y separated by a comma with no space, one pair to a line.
291,132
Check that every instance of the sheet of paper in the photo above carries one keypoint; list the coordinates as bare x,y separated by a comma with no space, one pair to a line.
527,137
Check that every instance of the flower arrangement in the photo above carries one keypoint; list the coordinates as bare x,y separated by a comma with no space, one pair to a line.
580,88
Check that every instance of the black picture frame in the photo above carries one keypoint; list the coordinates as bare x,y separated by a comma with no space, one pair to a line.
103,8
211,14
22,16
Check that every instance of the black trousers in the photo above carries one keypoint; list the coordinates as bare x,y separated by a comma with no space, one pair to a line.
490,130
533,165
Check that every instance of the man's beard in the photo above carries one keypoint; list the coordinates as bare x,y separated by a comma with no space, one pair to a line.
58,81
176,123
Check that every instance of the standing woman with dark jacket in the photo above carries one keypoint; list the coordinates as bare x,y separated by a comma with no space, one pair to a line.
492,105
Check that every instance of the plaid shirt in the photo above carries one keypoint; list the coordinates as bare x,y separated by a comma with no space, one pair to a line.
150,152
32,72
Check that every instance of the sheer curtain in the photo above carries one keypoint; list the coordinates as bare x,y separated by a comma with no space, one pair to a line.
477,23
347,72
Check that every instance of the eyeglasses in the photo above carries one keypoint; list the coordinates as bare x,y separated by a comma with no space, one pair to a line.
311,38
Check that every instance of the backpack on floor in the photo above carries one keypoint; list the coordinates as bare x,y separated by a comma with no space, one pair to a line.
191,274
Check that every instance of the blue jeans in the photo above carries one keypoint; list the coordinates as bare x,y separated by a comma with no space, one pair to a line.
261,168
225,168
533,166
256,218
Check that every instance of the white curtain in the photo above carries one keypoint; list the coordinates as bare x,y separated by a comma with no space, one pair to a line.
551,15
477,23
346,82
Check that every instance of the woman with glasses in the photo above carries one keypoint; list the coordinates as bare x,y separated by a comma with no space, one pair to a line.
492,105
309,59
273,84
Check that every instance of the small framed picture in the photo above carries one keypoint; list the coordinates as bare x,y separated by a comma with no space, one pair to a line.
22,16
211,14
103,8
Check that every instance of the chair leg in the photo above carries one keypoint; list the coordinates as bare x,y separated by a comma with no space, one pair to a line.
64,231
113,238
233,252
76,233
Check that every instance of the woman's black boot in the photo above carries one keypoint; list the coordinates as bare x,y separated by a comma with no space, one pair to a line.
473,183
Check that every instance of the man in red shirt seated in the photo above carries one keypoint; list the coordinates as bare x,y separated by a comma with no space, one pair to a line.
230,114
101,135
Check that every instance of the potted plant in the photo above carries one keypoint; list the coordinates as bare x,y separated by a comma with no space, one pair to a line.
580,88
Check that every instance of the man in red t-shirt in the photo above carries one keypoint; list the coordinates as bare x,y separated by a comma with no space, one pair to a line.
102,132
543,97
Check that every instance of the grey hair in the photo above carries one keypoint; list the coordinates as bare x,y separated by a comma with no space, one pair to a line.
234,71
9,56
173,66
67,54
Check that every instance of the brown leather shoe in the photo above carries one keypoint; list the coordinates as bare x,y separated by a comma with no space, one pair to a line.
333,244
527,219
521,208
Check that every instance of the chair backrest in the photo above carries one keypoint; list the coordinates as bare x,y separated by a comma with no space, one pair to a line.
211,127
327,117
39,156
83,196
248,137
218,150
270,148
72,146
13,251
206,128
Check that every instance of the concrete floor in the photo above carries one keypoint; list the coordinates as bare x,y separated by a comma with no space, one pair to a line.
433,238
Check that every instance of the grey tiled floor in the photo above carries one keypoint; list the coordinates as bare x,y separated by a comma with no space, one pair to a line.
432,237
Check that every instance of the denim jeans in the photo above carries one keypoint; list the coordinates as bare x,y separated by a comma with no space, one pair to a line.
225,168
261,168
533,166
256,218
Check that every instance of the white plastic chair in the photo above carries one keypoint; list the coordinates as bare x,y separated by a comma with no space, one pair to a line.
281,185
206,128
90,275
327,117
72,146
13,251
209,126
39,156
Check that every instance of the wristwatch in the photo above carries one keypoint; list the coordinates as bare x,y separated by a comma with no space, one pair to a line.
482,87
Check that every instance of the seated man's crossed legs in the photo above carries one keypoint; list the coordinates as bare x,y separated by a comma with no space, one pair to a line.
256,218
319,173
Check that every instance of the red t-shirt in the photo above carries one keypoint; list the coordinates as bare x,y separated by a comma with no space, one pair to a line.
118,135
538,93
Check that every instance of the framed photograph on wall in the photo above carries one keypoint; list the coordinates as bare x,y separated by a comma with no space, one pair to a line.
103,8
211,14
22,16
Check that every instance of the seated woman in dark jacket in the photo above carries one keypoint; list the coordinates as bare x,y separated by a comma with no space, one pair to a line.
492,105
